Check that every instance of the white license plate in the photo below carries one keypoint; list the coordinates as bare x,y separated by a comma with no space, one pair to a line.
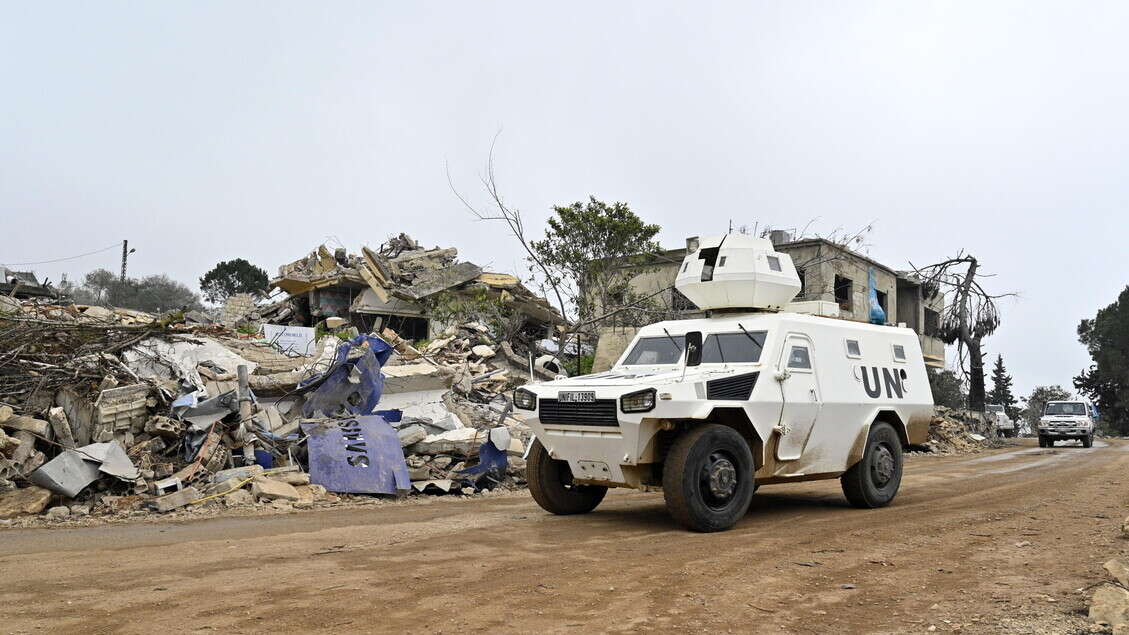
577,397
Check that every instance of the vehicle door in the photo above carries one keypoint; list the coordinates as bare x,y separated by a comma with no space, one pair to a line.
802,401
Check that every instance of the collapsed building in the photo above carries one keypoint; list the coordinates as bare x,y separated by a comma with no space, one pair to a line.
106,409
397,287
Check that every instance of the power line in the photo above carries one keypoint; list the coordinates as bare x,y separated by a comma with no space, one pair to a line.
46,262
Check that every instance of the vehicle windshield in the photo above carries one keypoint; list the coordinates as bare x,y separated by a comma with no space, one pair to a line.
1065,408
733,348
655,351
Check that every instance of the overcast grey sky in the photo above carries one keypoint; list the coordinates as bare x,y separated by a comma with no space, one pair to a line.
203,131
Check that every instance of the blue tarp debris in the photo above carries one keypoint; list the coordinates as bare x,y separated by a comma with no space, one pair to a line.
356,455
350,386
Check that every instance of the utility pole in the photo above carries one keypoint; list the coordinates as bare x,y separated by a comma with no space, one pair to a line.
126,251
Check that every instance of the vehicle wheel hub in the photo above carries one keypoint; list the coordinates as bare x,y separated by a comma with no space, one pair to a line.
882,467
722,477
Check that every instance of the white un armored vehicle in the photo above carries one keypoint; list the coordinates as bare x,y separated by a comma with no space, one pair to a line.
755,393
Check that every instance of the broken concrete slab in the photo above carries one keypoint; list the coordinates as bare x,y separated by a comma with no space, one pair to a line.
431,282
1109,605
1119,569
482,351
38,427
57,417
462,442
8,445
416,377
238,497
164,427
176,500
269,489
99,313
291,478
442,484
241,473
24,502
411,434
58,513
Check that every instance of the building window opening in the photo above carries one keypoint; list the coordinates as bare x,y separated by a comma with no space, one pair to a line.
932,323
844,291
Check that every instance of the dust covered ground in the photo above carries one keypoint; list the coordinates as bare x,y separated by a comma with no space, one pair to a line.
1002,541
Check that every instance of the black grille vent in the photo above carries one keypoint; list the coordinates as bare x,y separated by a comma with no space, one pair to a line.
602,412
738,387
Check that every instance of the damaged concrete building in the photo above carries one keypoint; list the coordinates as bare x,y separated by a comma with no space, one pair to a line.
395,286
829,272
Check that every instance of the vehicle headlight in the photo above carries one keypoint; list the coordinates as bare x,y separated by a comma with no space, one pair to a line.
525,399
640,401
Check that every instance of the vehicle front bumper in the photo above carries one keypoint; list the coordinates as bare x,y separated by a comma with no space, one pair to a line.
1064,432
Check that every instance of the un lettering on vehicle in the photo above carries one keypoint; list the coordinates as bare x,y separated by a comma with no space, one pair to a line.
876,381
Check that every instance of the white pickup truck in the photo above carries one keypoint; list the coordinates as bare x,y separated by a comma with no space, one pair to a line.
1005,425
1065,420
709,409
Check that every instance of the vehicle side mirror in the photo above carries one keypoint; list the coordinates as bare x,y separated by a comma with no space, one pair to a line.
694,348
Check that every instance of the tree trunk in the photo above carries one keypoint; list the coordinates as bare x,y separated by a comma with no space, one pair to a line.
975,375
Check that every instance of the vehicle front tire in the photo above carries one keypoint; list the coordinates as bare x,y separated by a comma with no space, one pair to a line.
708,478
550,483
1050,442
1042,441
1088,441
874,481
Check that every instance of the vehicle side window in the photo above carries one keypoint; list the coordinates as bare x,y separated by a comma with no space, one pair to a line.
799,357
853,349
899,353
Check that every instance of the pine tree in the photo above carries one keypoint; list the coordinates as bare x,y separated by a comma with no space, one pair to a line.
1001,389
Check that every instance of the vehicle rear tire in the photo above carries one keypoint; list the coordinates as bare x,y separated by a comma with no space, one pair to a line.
874,481
1088,441
550,483
708,478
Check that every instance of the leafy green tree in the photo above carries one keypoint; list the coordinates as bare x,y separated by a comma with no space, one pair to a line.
153,294
232,277
948,389
1106,382
1001,394
1037,401
588,250
100,283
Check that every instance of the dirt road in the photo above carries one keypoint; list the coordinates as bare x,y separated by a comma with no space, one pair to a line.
995,542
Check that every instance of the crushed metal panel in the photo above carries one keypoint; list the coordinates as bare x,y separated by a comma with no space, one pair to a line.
73,470
67,474
358,455
113,458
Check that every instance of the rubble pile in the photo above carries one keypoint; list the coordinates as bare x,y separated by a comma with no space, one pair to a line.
953,432
393,285
105,411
